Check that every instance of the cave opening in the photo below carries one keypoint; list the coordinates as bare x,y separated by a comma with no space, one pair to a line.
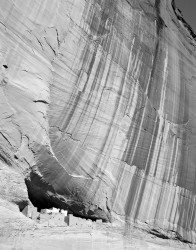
43,196
82,216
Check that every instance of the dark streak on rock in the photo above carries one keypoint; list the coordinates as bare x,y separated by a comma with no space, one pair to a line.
158,234
4,158
51,47
41,101
159,28
5,138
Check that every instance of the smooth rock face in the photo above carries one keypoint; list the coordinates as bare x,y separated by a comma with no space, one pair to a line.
97,109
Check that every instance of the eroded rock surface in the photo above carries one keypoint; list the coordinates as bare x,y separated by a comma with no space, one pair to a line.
97,110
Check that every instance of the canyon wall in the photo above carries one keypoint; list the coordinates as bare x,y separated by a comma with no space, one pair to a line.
97,110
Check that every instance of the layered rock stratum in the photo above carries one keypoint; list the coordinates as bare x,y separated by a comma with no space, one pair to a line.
97,112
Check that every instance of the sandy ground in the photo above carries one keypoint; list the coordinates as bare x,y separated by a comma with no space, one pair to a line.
101,237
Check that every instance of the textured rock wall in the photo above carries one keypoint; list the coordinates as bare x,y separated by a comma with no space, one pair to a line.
97,104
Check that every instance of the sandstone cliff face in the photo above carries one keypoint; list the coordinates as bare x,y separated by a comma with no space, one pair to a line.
97,109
